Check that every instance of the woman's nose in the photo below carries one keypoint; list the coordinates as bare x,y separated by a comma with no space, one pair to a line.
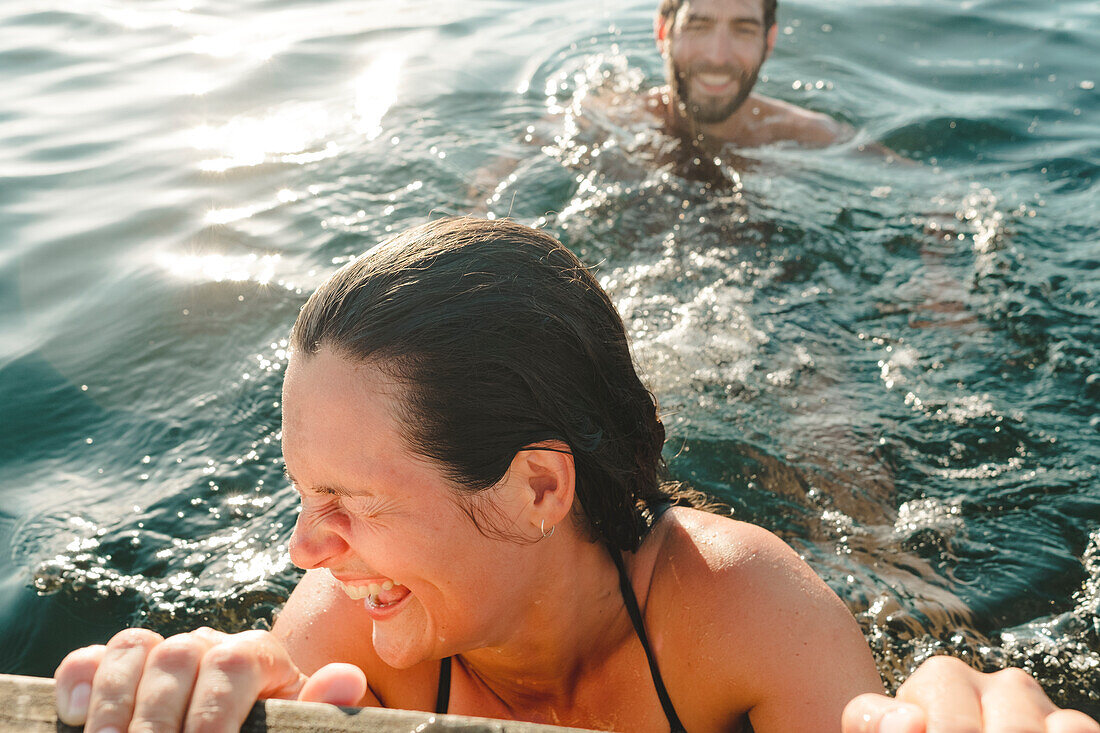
313,544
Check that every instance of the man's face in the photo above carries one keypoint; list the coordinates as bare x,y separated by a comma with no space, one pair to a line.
715,49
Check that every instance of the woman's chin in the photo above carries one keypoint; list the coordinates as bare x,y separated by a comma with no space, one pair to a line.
402,648
398,654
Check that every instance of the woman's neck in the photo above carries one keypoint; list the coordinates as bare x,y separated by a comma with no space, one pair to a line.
575,620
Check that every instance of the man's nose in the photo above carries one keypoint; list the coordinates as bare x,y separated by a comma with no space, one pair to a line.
314,544
718,47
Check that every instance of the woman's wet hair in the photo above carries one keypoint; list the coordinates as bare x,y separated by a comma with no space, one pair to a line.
502,340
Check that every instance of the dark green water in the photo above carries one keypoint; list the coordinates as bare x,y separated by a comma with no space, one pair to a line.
896,368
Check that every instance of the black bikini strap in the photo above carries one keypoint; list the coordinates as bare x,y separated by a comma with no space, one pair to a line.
639,627
443,694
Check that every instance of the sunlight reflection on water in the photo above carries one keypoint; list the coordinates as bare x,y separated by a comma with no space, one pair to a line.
888,367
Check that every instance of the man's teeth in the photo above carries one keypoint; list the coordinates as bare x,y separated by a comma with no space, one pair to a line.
359,592
715,80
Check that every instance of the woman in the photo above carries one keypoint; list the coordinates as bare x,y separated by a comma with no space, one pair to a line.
485,531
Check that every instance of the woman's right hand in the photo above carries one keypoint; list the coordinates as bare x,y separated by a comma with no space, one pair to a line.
203,680
945,695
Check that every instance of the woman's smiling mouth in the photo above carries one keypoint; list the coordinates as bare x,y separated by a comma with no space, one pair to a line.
377,596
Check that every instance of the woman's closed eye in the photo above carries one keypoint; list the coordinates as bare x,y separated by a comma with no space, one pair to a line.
363,506
330,499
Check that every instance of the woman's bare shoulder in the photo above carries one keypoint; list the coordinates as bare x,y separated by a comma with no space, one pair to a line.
737,575
732,600
321,624
709,546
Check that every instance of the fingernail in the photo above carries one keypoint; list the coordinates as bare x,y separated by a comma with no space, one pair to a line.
74,710
111,729
898,721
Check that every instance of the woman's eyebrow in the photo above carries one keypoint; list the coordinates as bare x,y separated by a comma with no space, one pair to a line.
322,489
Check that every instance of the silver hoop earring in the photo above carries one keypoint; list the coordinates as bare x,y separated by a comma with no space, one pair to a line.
546,534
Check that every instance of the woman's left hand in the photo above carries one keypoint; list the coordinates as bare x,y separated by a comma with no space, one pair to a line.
946,696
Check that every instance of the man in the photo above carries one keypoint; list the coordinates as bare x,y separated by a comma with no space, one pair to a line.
713,51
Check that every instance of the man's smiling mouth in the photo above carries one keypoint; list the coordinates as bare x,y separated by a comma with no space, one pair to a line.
716,82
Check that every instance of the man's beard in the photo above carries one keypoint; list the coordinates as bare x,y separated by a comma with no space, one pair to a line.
716,109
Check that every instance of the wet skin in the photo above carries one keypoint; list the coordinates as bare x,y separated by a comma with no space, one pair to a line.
372,512
538,625
714,50
741,627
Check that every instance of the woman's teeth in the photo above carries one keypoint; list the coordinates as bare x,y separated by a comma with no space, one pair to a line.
373,590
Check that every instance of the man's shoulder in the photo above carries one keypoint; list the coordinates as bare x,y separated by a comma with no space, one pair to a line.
657,101
782,121
625,108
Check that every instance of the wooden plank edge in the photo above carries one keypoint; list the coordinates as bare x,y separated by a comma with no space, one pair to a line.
27,705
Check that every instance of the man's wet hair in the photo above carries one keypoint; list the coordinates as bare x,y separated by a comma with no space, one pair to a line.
668,9
500,340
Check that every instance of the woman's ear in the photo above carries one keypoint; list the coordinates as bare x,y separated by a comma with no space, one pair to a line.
545,478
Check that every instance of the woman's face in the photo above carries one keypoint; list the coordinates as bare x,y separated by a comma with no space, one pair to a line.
386,523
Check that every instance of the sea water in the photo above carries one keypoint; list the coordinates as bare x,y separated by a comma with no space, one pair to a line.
893,364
